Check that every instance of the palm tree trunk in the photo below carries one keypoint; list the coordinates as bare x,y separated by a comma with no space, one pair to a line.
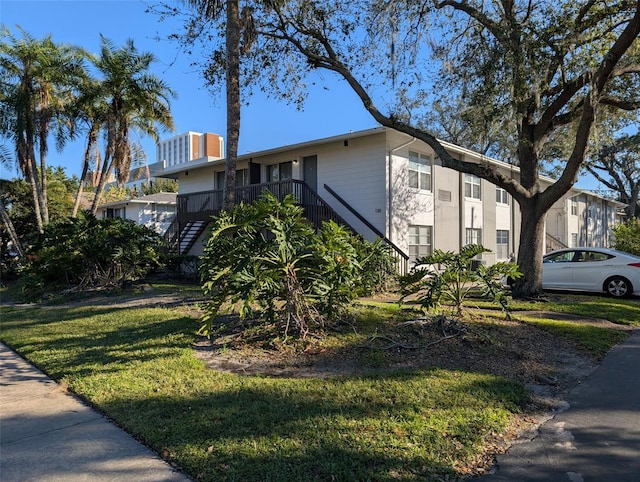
11,229
32,177
42,193
104,176
232,45
91,142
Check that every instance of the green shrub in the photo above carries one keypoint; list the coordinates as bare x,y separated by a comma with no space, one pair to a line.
87,252
266,260
627,236
452,284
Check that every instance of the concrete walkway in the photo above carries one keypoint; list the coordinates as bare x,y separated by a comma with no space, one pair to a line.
49,435
597,439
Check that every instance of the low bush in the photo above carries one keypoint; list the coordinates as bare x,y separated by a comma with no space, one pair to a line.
87,252
266,260
445,278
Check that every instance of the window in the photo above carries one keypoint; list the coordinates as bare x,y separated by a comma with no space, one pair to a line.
574,240
563,257
420,242
280,172
502,197
574,206
471,186
419,171
220,180
502,244
116,213
473,236
242,178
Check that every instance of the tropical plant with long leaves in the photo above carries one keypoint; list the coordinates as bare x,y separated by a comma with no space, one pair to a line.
39,84
134,101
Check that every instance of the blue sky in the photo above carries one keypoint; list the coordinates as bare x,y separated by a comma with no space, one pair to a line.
265,123
330,109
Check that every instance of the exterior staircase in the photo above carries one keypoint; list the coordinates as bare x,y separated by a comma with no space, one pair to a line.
195,211
553,243
190,232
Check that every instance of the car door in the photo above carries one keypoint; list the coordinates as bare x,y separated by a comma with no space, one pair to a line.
589,274
557,270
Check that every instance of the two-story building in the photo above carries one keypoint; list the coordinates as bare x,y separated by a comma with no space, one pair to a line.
385,184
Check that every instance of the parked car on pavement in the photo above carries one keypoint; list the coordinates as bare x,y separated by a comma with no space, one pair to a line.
592,269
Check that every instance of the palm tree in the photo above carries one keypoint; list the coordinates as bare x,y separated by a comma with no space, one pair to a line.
134,100
40,78
89,111
237,25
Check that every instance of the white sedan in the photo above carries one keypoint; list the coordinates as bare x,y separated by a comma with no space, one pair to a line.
592,269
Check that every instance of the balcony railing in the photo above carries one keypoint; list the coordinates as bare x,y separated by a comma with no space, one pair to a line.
202,206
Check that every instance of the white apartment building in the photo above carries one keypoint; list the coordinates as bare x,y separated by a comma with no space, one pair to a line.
384,183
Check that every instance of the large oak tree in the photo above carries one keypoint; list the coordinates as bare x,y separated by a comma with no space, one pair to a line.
538,73
533,67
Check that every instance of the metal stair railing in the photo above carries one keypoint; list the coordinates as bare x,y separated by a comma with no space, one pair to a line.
554,243
401,257
202,206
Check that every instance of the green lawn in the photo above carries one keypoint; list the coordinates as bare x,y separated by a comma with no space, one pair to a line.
137,366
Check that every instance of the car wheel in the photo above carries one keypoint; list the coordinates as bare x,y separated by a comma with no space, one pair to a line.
618,287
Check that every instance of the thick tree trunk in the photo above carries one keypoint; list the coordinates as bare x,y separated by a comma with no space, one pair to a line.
530,251
233,100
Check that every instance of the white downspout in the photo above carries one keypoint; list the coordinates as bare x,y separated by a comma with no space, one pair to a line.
390,187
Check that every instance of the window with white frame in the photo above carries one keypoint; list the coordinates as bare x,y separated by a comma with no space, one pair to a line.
473,236
116,213
502,244
574,206
574,240
419,171
420,242
471,186
502,197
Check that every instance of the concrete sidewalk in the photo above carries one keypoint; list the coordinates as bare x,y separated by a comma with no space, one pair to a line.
597,439
47,434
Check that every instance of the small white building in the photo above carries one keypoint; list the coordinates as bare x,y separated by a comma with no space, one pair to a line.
386,184
156,211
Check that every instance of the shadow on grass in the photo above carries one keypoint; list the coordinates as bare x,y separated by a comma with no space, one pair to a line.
375,428
90,340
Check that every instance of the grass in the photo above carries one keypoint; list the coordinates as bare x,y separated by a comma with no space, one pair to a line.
137,366
594,339
622,311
